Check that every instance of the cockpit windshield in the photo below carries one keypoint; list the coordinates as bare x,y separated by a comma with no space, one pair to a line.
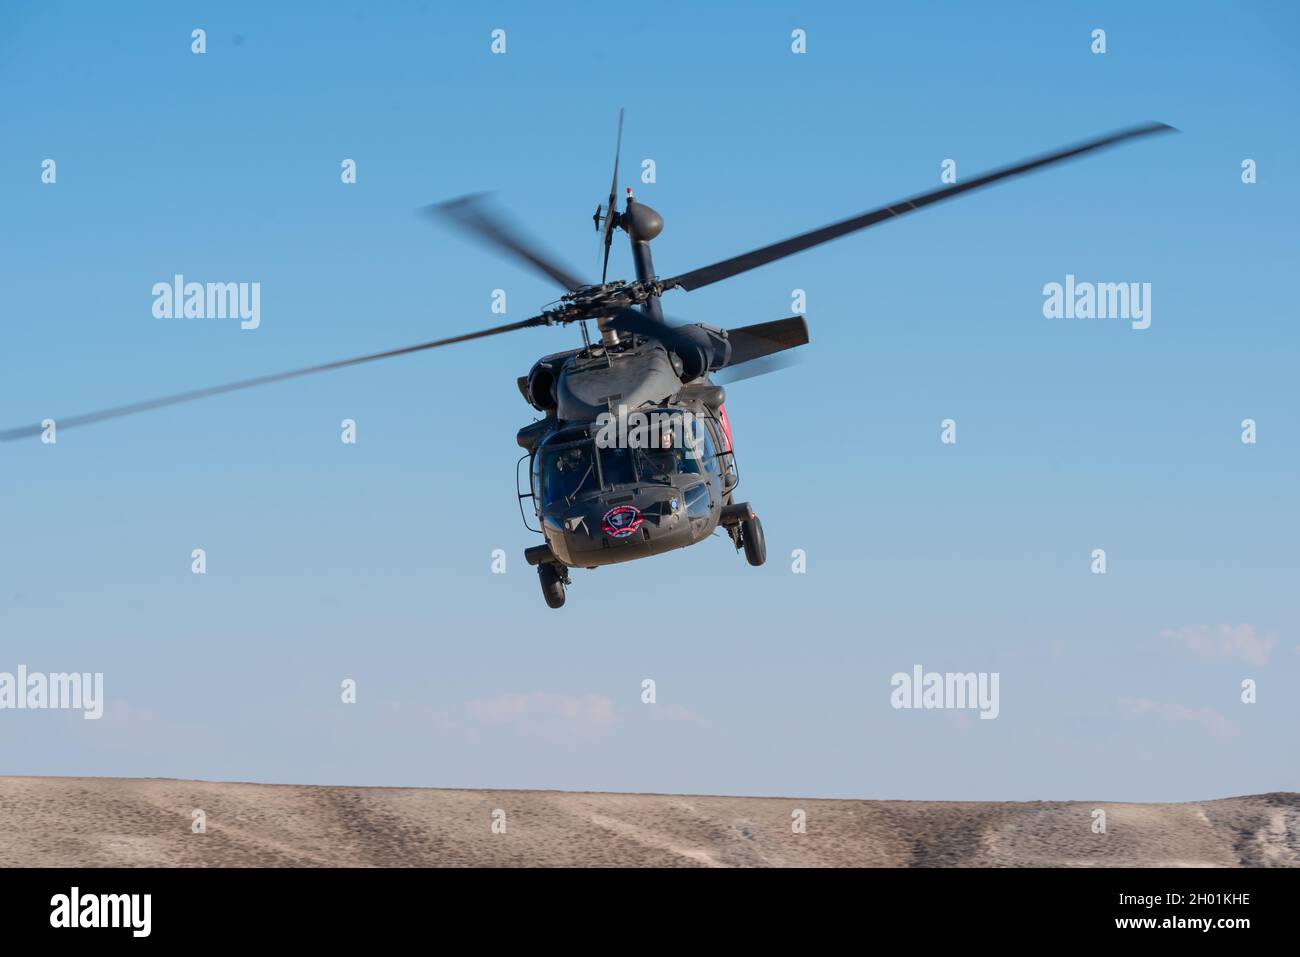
617,467
678,444
566,471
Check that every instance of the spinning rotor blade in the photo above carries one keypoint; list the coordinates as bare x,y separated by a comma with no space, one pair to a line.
113,413
610,218
762,348
472,215
755,367
747,351
766,338
761,257
639,323
747,342
698,350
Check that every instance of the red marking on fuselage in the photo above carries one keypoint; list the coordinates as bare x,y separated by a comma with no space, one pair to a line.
726,426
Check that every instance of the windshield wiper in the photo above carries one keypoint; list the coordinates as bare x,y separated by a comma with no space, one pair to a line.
568,499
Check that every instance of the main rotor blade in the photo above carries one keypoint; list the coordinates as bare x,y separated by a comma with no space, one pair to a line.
761,257
639,323
766,338
471,215
113,413
747,342
762,348
748,350
755,367
610,218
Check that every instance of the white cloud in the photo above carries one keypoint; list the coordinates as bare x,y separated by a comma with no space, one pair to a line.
1213,721
1224,641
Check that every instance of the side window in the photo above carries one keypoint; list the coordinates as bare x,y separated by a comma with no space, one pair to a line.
715,428
708,451
718,460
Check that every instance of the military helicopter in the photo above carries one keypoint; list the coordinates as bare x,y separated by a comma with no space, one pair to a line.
633,455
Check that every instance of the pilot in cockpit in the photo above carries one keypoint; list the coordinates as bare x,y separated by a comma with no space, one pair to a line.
661,456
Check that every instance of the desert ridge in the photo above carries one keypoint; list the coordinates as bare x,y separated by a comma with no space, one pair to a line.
113,822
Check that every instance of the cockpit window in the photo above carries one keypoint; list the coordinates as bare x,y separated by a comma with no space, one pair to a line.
572,467
656,465
616,467
566,471
682,449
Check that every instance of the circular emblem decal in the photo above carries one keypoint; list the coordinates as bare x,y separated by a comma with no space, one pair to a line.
622,521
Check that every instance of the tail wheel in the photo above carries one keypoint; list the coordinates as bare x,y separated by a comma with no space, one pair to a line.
751,535
552,578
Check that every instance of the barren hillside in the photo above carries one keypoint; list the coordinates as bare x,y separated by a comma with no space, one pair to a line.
107,822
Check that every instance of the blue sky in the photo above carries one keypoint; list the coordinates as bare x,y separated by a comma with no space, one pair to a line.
373,561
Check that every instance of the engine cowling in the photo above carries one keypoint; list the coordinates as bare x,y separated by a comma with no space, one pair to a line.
538,387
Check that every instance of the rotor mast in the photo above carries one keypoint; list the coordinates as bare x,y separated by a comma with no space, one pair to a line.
642,224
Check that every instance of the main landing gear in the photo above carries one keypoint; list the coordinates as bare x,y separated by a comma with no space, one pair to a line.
746,531
551,573
554,577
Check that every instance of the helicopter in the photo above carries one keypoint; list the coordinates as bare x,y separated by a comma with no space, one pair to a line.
633,455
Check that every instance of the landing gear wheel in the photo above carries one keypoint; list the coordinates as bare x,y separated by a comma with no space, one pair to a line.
553,581
751,536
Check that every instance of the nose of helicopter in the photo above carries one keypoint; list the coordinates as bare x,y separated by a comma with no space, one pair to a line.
625,524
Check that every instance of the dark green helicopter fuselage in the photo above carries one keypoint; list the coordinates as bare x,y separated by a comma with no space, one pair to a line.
602,492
